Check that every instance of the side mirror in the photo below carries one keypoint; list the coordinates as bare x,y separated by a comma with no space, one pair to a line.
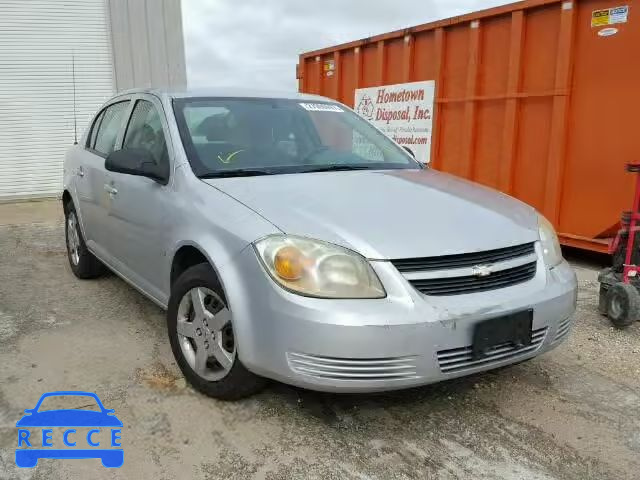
409,151
136,161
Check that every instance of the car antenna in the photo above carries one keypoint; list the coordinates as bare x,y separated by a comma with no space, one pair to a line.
73,77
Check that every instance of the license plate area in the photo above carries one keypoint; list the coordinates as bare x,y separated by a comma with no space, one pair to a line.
514,329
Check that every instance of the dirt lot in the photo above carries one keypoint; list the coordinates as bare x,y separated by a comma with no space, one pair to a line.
571,414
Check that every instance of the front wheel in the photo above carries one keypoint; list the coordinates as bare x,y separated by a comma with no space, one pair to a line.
201,333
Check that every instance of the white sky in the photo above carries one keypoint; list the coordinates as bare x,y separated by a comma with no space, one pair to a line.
255,44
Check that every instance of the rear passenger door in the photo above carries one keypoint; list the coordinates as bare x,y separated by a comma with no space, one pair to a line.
140,210
91,176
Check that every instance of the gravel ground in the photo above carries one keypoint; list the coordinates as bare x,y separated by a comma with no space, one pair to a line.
573,413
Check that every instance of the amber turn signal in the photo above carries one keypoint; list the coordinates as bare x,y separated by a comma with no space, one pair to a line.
288,263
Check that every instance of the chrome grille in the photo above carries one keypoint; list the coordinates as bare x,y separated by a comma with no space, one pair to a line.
458,359
472,283
445,262
563,329
393,368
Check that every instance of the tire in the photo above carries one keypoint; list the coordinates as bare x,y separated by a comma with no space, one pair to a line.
199,320
602,300
623,304
83,263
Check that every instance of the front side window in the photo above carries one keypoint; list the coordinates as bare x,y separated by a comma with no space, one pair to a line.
225,137
144,132
109,128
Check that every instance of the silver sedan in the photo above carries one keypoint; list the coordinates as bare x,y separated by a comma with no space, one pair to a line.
289,239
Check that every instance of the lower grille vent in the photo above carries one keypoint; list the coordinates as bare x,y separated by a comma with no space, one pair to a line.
393,368
563,330
457,359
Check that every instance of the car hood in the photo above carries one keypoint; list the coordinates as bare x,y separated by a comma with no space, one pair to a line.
388,214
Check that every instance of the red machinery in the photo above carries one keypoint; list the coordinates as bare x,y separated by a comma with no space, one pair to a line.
620,284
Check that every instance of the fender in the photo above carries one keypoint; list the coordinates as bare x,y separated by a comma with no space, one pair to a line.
222,262
213,222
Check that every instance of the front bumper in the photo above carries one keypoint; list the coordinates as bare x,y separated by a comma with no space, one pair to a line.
404,340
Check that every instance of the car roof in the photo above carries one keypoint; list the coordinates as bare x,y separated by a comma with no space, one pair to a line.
224,92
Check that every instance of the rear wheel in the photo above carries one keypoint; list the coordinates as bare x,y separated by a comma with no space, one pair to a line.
201,333
623,304
82,262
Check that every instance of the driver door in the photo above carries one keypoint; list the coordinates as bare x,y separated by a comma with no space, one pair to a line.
141,208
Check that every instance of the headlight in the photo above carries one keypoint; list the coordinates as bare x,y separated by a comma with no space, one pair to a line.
550,243
318,269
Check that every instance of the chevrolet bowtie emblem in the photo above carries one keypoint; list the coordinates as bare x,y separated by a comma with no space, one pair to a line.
481,270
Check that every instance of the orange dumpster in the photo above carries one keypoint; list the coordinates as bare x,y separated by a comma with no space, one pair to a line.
537,99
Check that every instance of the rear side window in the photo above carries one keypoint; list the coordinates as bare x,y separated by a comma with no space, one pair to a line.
109,126
145,132
94,130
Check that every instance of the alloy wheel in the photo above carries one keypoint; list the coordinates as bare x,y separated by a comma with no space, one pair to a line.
73,238
205,333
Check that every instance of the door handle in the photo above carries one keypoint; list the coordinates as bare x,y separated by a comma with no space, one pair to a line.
80,172
112,190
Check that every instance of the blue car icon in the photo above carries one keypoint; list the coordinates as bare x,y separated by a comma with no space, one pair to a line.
105,418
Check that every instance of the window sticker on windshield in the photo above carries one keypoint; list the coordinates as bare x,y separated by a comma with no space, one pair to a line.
321,107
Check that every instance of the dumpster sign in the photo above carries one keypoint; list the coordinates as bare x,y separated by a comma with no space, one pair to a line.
609,16
403,112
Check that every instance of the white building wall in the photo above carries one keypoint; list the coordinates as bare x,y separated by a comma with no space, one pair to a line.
148,43
38,39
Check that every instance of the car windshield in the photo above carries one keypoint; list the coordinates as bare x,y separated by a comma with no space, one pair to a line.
245,137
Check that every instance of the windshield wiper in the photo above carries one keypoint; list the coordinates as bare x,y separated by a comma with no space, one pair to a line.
316,151
336,168
242,172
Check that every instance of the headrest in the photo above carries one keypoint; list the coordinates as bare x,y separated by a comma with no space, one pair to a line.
215,128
